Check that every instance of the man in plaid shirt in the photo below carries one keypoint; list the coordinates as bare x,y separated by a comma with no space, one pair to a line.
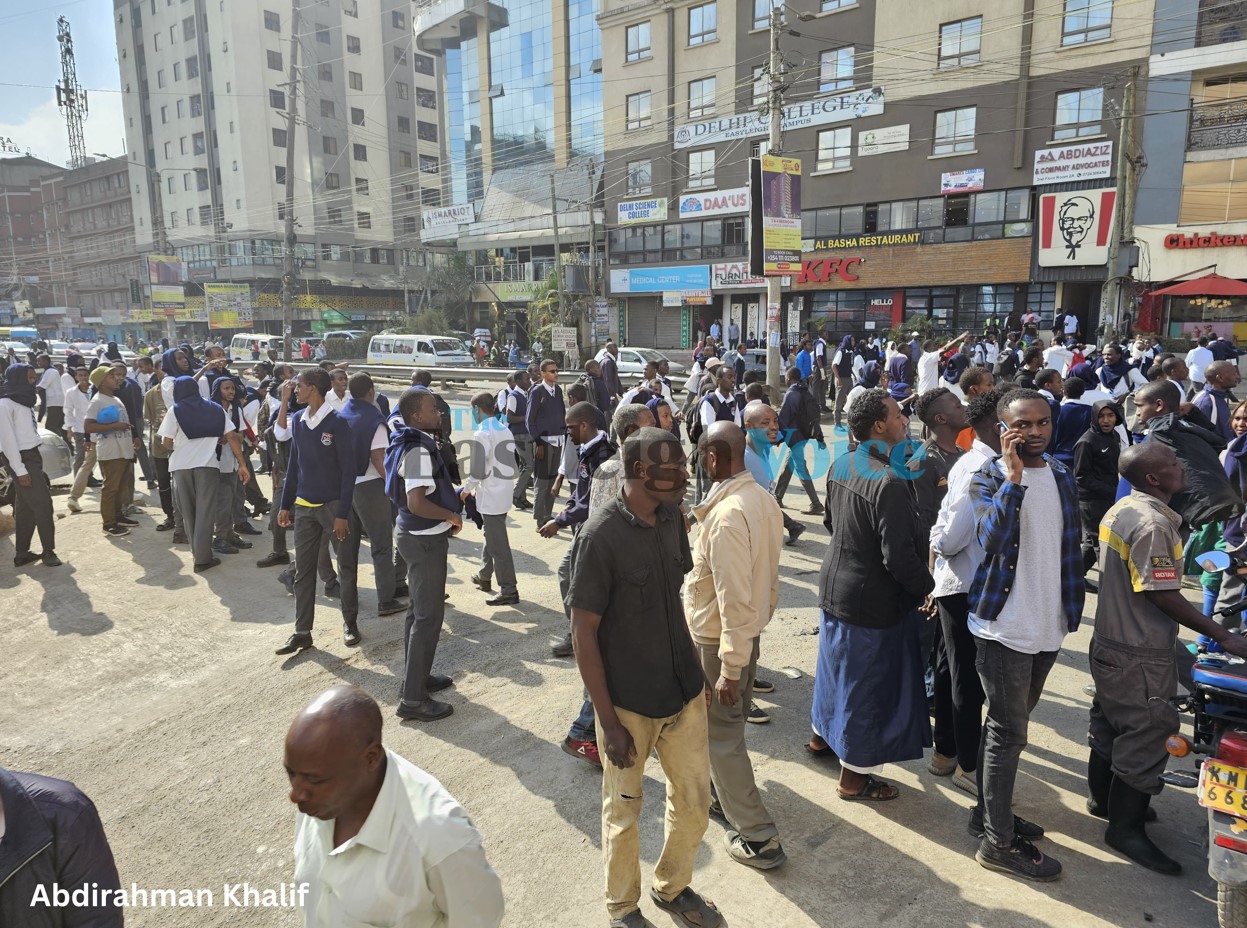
1019,615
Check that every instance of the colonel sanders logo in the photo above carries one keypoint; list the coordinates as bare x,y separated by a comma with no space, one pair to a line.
1075,220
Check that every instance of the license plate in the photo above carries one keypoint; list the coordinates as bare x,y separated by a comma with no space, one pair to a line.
1223,788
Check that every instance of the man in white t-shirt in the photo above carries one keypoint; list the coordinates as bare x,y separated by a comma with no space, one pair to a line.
1027,595
1058,356
1197,359
52,392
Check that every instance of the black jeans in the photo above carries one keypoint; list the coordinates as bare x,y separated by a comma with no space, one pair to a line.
164,484
958,690
1093,512
1013,683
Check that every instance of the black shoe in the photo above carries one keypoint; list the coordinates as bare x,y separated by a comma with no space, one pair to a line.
200,568
794,533
763,686
522,505
1092,586
273,559
122,520
484,586
50,559
1028,831
333,589
116,530
428,711
165,526
26,557
151,484
503,599
1127,810
223,547
238,542
94,484
294,643
391,607
400,591
179,539
350,634
1020,859
246,528
259,512
1099,783
438,682
563,648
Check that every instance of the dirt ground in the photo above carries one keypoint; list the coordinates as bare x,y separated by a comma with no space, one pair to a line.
157,692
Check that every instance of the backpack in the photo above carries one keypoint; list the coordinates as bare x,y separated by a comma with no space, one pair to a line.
810,417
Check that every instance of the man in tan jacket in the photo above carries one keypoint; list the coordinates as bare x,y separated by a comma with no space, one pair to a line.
728,599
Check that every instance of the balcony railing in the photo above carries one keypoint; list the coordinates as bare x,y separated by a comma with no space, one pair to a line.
1221,21
1217,125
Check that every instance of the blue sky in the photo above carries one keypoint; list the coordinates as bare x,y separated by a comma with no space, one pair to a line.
29,115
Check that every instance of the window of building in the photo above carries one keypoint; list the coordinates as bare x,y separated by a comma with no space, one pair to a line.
835,149
701,169
205,215
351,8
326,109
197,143
400,54
637,40
272,21
177,70
355,80
332,181
429,164
409,192
954,131
639,178
156,42
398,19
192,66
960,41
274,60
357,116
1079,114
277,99
324,72
361,186
835,69
402,90
160,78
701,98
409,225
169,182
181,106
1214,191
703,23
188,28
164,115
168,150
1086,21
424,64
322,33
430,196
762,12
761,86
197,105
279,138
404,125
334,215
638,107
329,145
359,152
404,159
352,44
426,131
279,174
363,220
426,98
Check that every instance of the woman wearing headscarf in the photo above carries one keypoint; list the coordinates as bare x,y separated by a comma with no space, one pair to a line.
226,393
192,429
19,442
870,376
113,353
1118,375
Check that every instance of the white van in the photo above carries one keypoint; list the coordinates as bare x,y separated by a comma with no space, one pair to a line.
418,351
240,346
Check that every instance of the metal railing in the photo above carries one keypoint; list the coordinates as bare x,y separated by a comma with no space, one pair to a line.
1217,125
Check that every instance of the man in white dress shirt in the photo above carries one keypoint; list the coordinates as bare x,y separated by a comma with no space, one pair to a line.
377,840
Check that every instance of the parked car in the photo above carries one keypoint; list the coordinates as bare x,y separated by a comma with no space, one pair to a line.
632,361
352,334
57,463
21,349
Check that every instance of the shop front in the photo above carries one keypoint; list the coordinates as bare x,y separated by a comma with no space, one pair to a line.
660,307
1175,253
958,286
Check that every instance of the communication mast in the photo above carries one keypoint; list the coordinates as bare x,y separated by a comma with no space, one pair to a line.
70,96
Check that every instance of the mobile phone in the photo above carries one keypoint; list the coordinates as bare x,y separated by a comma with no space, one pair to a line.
1001,427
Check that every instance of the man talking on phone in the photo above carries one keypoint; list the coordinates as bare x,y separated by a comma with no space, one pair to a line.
1018,616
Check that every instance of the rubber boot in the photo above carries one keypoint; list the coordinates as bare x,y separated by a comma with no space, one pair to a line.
1099,779
1127,809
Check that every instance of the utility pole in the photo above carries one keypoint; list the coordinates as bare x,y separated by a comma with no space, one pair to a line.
288,239
162,239
1123,220
774,366
558,256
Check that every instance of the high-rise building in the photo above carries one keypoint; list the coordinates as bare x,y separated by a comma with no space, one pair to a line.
207,88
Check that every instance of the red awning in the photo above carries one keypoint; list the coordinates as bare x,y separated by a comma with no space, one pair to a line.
1208,285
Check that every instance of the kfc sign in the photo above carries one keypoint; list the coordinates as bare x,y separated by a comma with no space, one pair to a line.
1075,227
828,270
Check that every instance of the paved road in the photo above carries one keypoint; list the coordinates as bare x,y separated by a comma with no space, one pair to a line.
156,690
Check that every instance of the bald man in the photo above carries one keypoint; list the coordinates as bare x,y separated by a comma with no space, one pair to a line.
761,457
729,597
1220,377
377,840
1137,614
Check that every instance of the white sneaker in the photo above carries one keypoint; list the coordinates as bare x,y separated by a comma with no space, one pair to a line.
73,505
967,781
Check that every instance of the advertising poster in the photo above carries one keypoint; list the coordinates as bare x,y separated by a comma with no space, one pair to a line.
168,297
781,215
1074,227
1073,162
882,141
642,211
229,305
714,203
962,181
165,269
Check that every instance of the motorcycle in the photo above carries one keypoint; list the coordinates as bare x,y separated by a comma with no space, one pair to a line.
1218,701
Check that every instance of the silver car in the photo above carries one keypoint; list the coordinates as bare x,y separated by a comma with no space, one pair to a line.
632,361
57,462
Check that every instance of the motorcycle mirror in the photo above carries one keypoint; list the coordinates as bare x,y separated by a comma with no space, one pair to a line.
1214,561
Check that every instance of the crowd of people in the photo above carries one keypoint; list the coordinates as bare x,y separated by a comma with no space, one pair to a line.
955,566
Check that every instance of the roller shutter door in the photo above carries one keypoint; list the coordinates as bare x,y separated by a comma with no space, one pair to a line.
642,321
667,330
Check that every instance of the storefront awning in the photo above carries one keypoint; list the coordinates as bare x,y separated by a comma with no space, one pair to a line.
1208,285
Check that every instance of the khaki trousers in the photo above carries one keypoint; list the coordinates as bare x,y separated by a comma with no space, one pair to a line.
680,741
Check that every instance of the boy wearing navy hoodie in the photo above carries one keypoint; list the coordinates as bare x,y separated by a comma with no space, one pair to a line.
316,498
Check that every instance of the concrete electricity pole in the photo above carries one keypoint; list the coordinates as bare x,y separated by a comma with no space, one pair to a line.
774,366
1123,219
288,239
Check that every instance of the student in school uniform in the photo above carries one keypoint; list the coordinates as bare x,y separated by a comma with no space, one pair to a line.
544,420
490,480
108,423
225,392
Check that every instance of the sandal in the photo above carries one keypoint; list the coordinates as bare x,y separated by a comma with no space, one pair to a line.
633,919
689,903
824,752
872,790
